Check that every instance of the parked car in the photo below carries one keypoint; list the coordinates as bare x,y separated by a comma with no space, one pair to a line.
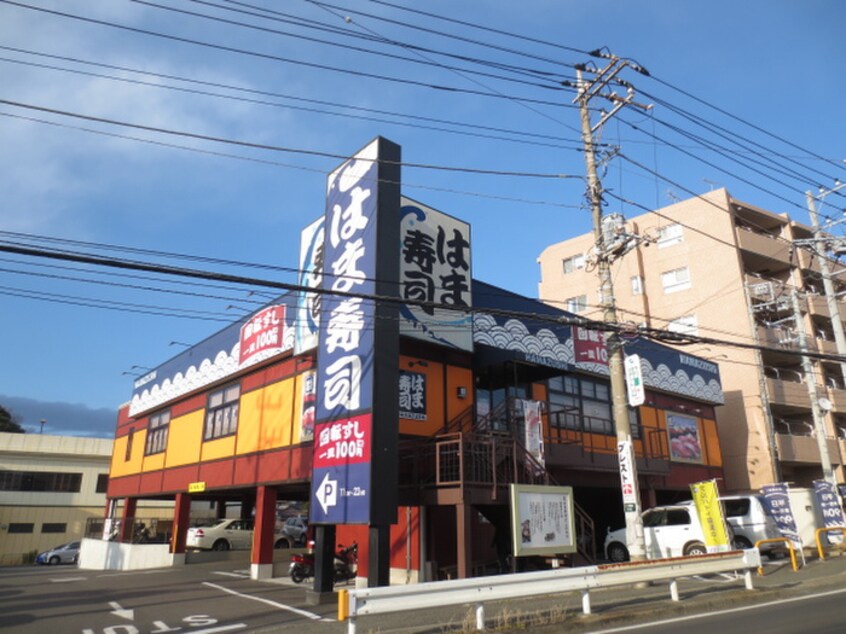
295,531
232,534
64,554
668,531
750,521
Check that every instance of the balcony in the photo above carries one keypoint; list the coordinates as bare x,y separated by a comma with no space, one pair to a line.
807,261
789,393
837,396
766,246
804,449
817,305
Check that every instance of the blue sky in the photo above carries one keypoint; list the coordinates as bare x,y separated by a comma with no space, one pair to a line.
772,63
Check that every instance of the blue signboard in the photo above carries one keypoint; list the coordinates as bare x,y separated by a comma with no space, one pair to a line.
829,504
357,343
777,502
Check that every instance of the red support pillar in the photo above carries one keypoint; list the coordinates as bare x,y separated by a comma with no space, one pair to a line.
128,520
263,534
181,518
464,541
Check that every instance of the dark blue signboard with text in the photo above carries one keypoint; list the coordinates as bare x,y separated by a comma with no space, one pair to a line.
777,502
355,430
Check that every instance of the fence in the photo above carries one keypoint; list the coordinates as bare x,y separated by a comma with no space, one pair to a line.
372,601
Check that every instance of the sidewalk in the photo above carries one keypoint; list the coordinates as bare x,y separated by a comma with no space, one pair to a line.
618,606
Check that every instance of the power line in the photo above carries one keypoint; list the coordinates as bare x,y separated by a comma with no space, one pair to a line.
564,320
473,130
274,148
406,183
554,85
278,58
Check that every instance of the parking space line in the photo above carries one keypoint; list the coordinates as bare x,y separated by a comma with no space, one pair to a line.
281,606
239,575
67,579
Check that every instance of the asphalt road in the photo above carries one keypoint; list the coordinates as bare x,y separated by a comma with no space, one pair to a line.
821,613
219,597
201,599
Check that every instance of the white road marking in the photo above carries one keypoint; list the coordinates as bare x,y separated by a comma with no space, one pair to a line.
281,606
117,610
135,572
222,628
694,617
67,579
239,575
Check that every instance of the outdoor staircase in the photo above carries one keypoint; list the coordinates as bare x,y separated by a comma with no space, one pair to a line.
473,460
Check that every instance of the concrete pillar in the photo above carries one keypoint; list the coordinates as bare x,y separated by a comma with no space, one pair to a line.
261,560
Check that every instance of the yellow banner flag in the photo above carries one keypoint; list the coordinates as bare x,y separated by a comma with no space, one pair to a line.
706,498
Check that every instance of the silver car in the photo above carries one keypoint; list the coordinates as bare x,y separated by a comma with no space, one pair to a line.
64,554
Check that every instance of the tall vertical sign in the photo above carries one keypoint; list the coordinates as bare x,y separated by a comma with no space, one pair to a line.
706,498
310,277
354,477
828,503
776,501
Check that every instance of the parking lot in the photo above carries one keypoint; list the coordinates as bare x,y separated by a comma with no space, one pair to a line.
200,598
218,596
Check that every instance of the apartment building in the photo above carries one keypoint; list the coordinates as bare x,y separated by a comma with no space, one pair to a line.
722,268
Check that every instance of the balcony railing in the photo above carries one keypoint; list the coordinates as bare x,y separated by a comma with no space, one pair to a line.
766,245
805,450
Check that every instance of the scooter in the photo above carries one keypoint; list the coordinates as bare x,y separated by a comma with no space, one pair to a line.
302,567
345,564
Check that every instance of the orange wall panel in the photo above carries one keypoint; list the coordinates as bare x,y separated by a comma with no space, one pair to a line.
712,443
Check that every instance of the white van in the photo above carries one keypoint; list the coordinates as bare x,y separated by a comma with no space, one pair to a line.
750,521
668,531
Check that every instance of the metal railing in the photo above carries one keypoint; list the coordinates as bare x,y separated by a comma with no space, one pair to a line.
360,602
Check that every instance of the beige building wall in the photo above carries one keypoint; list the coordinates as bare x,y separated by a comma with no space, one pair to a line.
710,249
88,457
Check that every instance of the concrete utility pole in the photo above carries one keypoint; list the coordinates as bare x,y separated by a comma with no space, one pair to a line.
587,90
828,285
810,379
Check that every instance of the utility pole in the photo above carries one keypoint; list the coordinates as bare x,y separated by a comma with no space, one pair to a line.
828,285
605,252
810,379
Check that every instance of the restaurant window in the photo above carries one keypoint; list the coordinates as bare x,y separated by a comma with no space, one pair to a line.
157,433
222,413
584,405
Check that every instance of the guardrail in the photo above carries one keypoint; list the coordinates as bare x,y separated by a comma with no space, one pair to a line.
781,540
478,591
828,529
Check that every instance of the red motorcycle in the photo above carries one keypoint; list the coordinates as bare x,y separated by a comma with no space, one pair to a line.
345,564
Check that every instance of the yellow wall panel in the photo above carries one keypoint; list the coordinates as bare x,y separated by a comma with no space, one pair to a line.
184,439
250,421
297,410
121,466
217,449
278,414
154,462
